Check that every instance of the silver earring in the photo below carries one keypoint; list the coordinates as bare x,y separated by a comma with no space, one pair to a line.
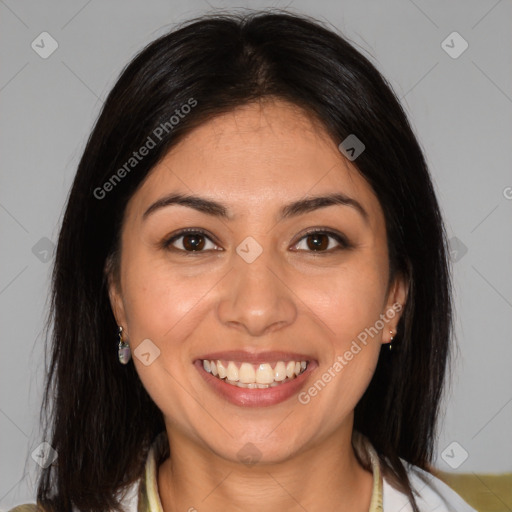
123,349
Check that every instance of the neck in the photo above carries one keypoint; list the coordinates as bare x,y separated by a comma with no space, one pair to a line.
326,476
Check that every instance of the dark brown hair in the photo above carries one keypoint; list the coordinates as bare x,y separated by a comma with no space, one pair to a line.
96,413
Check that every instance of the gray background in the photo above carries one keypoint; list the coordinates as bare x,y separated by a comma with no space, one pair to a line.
461,109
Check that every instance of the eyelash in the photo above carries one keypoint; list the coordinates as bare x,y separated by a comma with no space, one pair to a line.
342,241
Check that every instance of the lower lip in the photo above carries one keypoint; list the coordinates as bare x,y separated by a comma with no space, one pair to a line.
255,397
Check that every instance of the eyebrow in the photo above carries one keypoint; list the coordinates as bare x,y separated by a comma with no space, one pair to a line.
293,209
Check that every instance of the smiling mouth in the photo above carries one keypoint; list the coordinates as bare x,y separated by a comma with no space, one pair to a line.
255,376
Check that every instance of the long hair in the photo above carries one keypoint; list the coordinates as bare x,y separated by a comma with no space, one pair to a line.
96,413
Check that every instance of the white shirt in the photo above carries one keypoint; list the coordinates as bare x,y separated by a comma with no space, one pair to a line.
434,494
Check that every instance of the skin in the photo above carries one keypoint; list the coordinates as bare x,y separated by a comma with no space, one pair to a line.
293,298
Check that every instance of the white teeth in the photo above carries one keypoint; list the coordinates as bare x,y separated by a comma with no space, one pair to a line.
250,385
232,371
265,374
222,370
246,375
280,371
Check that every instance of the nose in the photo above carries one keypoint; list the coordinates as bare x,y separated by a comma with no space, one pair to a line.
256,297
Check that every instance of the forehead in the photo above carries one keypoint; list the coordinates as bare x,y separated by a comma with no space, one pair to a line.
255,158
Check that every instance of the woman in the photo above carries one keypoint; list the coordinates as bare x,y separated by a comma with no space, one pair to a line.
251,296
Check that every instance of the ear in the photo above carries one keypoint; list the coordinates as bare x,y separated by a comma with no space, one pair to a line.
395,305
115,294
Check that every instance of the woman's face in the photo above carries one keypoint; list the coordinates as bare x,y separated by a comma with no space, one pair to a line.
251,287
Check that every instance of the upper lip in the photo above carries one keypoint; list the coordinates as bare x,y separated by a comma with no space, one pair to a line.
255,357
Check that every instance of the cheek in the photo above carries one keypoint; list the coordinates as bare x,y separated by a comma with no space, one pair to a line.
349,300
349,303
159,302
166,308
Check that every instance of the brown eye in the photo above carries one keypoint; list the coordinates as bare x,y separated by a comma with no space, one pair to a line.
317,241
193,242
190,241
322,241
